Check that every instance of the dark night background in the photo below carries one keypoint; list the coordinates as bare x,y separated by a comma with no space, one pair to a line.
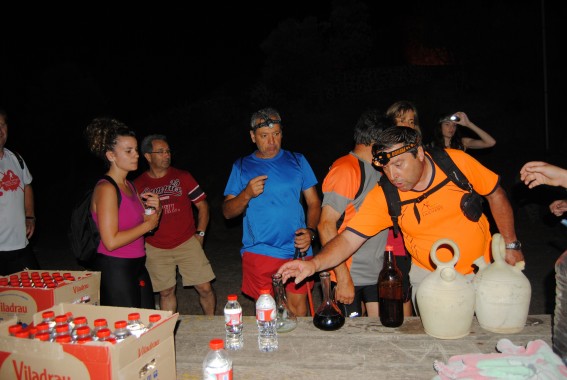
196,75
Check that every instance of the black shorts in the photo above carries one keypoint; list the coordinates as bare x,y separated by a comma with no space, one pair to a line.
366,293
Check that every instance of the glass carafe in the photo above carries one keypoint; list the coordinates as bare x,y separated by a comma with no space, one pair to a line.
328,316
285,320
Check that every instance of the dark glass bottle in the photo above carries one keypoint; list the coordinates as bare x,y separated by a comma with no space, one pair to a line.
390,291
328,316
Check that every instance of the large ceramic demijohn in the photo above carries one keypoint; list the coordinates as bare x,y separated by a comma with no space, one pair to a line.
446,298
503,292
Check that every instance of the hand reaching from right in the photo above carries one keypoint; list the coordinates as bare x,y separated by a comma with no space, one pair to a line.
537,173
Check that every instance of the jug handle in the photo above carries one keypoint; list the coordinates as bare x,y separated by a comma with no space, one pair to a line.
437,244
499,252
498,248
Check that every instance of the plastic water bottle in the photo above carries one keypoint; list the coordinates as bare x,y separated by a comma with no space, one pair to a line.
49,318
105,335
120,331
233,323
266,320
83,335
99,324
79,322
17,328
153,320
43,329
135,325
217,363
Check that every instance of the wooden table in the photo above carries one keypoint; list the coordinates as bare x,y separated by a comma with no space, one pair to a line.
362,348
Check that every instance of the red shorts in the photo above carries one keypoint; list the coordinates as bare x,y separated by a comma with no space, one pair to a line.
257,271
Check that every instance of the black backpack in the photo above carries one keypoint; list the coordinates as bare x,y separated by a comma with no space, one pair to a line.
471,202
83,233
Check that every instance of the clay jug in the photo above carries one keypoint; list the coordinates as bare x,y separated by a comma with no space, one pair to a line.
445,297
503,292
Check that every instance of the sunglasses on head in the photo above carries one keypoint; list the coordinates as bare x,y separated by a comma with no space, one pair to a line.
267,123
382,158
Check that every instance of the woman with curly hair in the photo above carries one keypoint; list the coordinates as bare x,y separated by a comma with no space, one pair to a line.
121,255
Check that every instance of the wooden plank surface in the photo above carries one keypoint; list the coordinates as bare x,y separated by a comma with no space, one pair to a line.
362,348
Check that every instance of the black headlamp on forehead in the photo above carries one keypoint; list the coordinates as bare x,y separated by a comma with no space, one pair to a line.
382,158
267,123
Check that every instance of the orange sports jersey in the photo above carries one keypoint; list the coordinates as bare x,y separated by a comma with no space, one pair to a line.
340,189
441,216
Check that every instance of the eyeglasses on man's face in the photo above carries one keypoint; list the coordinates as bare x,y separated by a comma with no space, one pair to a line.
162,152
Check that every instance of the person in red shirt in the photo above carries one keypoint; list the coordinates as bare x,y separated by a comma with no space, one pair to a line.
177,242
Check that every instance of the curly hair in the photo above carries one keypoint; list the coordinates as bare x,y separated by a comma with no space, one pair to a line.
102,134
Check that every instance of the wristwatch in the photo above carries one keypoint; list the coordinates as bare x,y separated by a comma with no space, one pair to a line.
515,245
200,233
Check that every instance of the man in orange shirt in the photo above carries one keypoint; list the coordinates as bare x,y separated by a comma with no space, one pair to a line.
400,153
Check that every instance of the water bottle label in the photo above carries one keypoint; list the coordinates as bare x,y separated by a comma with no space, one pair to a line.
214,374
265,315
231,318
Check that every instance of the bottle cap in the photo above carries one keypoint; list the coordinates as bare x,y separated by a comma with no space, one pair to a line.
48,314
232,297
100,322
103,333
264,291
23,334
61,329
63,338
120,324
133,316
389,248
216,344
43,326
80,320
14,329
154,318
42,336
61,319
84,330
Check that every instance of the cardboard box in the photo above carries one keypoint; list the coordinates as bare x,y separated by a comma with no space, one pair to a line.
23,303
149,357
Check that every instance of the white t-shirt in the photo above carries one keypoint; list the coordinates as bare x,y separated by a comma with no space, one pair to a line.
12,213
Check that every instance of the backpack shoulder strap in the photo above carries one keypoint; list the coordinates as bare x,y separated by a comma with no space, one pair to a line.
451,170
113,182
393,202
358,192
20,159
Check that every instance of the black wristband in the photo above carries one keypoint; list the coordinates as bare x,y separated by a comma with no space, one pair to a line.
30,217
314,233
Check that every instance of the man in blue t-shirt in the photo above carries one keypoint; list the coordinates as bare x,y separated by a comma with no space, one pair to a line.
266,187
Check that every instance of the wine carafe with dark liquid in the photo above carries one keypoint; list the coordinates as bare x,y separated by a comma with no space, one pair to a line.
328,316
